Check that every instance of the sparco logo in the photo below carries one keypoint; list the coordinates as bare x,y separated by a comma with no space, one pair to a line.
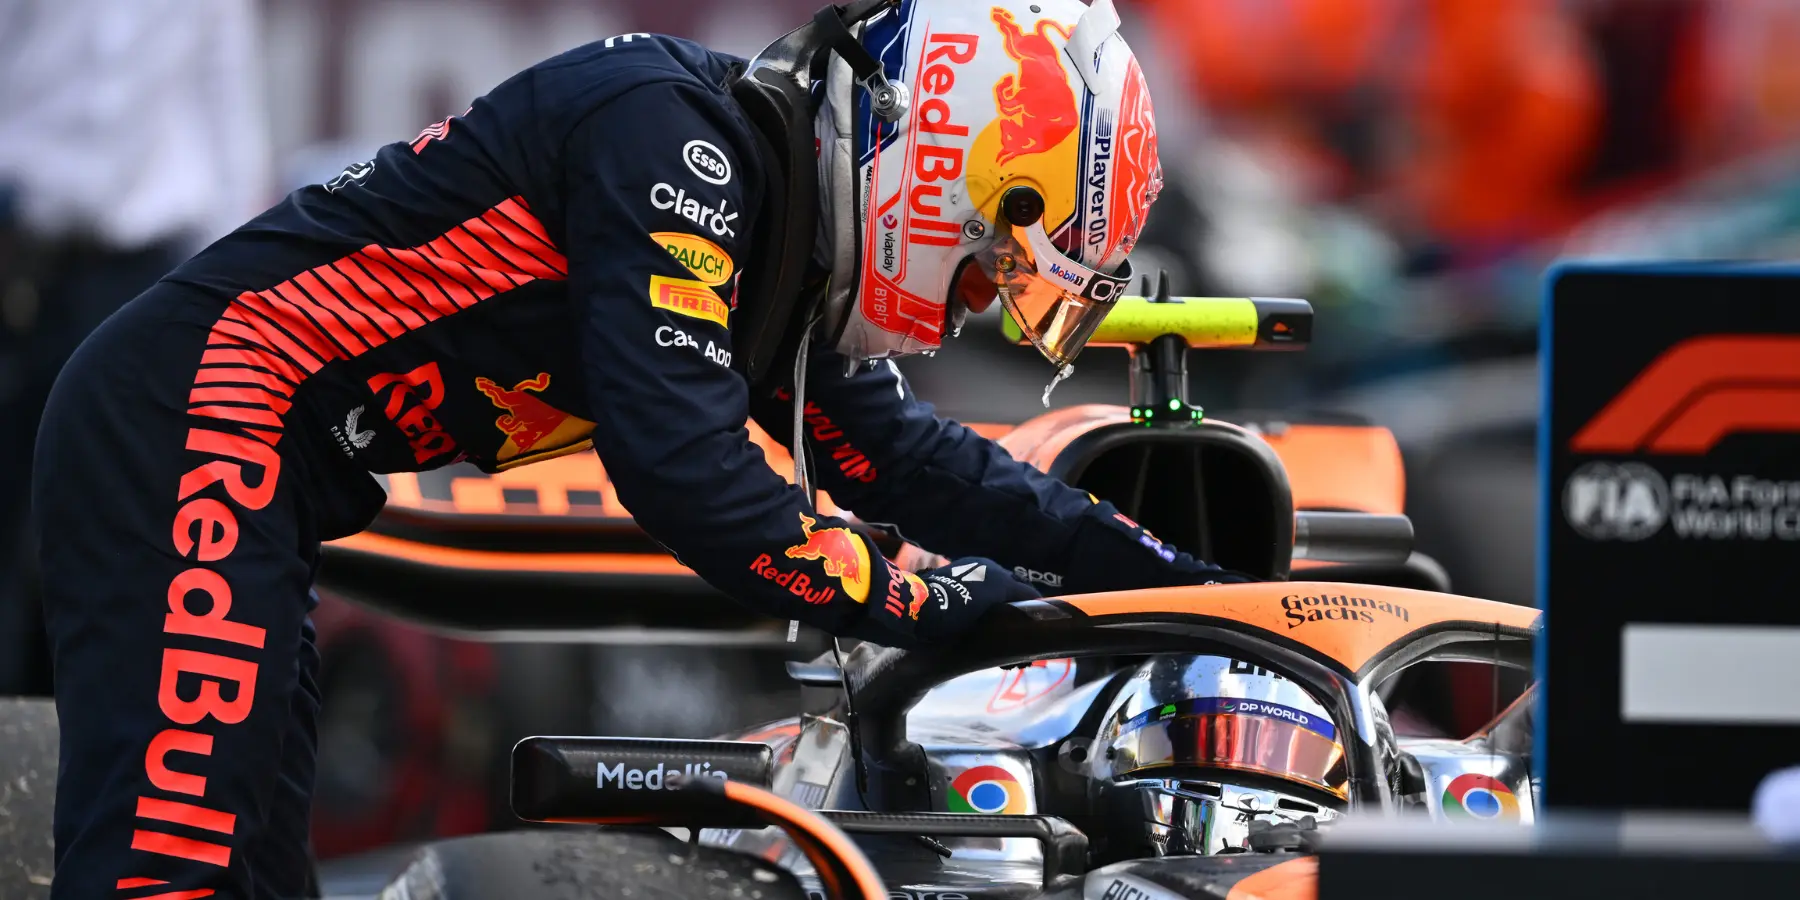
1047,579
1339,608
1616,501
707,162
660,778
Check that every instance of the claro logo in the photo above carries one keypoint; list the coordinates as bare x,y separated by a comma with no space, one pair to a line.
1339,608
663,777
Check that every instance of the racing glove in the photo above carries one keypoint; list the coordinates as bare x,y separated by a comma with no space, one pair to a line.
1110,552
943,603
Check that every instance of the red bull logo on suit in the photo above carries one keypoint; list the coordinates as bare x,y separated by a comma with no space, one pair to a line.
841,553
530,424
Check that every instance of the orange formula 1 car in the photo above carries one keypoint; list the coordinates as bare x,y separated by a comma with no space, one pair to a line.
1173,743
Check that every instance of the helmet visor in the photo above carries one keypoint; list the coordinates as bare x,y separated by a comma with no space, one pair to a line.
1056,301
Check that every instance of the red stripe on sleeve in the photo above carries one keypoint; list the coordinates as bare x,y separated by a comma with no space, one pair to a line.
351,287
322,286
238,414
253,357
238,394
447,261
244,332
516,211
400,279
443,247
483,257
511,241
382,283
238,375
302,318
432,279
275,336
450,276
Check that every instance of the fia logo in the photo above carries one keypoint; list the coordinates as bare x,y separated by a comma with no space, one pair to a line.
1616,501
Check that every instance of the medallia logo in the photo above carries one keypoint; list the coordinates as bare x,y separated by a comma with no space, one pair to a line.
1606,501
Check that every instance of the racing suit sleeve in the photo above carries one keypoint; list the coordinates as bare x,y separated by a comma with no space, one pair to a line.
886,455
659,199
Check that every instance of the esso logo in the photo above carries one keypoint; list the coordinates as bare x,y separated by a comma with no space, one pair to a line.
707,162
1616,501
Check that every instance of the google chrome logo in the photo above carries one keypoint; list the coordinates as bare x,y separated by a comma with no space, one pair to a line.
987,789
1474,797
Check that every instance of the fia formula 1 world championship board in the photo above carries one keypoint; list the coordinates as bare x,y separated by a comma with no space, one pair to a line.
1669,565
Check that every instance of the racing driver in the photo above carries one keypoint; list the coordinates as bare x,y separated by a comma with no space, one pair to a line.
634,246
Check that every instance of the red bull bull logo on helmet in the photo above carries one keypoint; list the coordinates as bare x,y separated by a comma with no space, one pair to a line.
842,554
530,424
1037,105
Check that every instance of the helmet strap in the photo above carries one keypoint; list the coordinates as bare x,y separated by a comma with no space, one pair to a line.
888,100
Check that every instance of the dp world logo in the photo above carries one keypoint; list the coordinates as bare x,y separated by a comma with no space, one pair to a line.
1616,501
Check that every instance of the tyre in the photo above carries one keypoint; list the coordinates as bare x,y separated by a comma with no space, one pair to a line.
27,796
588,865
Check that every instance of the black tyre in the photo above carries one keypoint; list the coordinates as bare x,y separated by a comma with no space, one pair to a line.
27,796
590,865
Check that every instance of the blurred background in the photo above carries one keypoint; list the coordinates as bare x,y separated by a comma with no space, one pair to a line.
1409,166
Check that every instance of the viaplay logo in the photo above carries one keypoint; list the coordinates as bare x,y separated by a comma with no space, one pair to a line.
1683,404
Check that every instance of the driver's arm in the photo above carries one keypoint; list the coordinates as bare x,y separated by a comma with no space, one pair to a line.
670,416
888,457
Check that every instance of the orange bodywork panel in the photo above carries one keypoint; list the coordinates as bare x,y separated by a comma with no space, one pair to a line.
1355,468
1296,879
1347,623
457,558
1329,467
1039,441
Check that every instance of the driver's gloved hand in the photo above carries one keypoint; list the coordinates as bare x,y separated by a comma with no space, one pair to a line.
959,593
1110,552
942,603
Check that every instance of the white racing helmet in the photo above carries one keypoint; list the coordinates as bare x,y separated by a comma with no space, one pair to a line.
1019,163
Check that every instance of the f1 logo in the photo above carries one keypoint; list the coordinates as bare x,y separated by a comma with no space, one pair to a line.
1697,393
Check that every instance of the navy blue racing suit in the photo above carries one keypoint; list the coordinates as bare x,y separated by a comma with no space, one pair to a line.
552,269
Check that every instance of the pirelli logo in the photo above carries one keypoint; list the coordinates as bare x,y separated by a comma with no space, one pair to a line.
687,297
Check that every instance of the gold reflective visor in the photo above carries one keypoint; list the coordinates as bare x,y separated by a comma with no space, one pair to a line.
1243,743
1056,301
